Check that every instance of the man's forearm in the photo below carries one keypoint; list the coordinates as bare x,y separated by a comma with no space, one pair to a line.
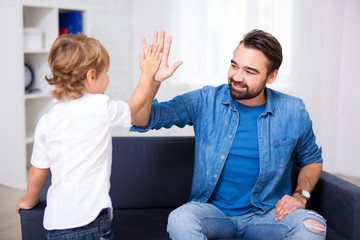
141,118
309,176
307,179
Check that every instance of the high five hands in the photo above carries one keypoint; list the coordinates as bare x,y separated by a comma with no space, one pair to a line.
164,70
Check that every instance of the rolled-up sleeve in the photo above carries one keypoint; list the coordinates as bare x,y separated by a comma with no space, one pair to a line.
180,111
307,151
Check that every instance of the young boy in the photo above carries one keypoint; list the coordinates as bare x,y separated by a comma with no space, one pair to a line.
74,138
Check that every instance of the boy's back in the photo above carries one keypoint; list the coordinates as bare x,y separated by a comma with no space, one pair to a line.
75,135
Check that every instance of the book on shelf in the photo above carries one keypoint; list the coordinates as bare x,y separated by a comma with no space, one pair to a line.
70,22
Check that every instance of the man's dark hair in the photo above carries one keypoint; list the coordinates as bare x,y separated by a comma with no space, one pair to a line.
266,43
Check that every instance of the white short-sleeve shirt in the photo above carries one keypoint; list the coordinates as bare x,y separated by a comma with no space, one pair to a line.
74,141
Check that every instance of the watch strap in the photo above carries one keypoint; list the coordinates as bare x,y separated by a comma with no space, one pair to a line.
301,194
298,191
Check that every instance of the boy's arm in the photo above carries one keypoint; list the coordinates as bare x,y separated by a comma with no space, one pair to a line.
149,63
35,184
141,118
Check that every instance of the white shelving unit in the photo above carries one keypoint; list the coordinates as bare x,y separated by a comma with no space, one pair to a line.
20,110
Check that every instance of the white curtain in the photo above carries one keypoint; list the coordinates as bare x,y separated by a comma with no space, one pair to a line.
208,31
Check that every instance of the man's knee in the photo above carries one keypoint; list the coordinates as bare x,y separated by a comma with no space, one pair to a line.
175,217
314,226
180,219
307,223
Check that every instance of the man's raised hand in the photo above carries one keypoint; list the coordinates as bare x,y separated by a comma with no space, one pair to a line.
164,70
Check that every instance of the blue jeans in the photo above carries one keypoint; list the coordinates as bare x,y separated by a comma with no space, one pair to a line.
99,229
205,221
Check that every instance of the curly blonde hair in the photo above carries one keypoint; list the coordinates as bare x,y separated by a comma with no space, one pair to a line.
70,58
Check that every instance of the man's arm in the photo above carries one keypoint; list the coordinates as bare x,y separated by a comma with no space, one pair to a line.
307,179
141,118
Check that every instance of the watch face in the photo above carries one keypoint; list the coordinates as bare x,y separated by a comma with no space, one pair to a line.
28,76
305,193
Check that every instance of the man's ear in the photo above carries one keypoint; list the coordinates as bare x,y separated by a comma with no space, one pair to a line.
90,77
272,77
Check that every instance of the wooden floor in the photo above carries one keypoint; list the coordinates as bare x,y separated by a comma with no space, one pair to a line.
10,220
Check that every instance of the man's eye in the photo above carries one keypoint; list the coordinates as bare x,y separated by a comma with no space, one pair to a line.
251,73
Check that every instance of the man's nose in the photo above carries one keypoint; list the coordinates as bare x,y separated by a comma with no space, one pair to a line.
239,75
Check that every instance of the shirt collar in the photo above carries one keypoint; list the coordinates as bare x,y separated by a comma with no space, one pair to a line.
227,100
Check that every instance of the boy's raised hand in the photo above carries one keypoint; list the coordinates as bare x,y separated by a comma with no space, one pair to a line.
164,70
150,60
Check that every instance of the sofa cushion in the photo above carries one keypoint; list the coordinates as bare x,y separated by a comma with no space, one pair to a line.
151,172
142,224
136,224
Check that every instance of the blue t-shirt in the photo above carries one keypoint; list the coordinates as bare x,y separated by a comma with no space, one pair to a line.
241,171
284,130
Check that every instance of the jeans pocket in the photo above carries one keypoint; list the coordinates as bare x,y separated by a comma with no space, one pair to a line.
107,235
105,230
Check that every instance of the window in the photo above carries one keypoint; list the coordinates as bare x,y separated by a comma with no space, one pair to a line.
208,31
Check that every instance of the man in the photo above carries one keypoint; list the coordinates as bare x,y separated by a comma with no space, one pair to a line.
246,135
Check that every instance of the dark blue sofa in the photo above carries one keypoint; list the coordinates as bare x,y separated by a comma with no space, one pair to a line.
152,175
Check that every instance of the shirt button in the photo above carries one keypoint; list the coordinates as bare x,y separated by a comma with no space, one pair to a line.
222,157
230,136
215,175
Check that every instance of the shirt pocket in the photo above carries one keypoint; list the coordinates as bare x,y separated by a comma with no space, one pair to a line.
282,151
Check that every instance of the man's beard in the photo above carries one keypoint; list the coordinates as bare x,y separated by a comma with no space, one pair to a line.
247,94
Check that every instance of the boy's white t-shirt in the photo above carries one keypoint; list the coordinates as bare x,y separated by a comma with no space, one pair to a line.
74,141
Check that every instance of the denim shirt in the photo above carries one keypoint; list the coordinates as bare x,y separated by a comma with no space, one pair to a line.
284,131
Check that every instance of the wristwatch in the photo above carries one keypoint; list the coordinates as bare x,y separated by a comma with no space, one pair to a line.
303,193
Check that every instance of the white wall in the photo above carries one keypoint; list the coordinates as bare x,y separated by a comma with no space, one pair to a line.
321,56
348,130
316,66
322,65
325,63
111,23
148,17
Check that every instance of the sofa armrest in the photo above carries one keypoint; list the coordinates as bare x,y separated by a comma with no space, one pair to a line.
32,219
32,222
338,201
